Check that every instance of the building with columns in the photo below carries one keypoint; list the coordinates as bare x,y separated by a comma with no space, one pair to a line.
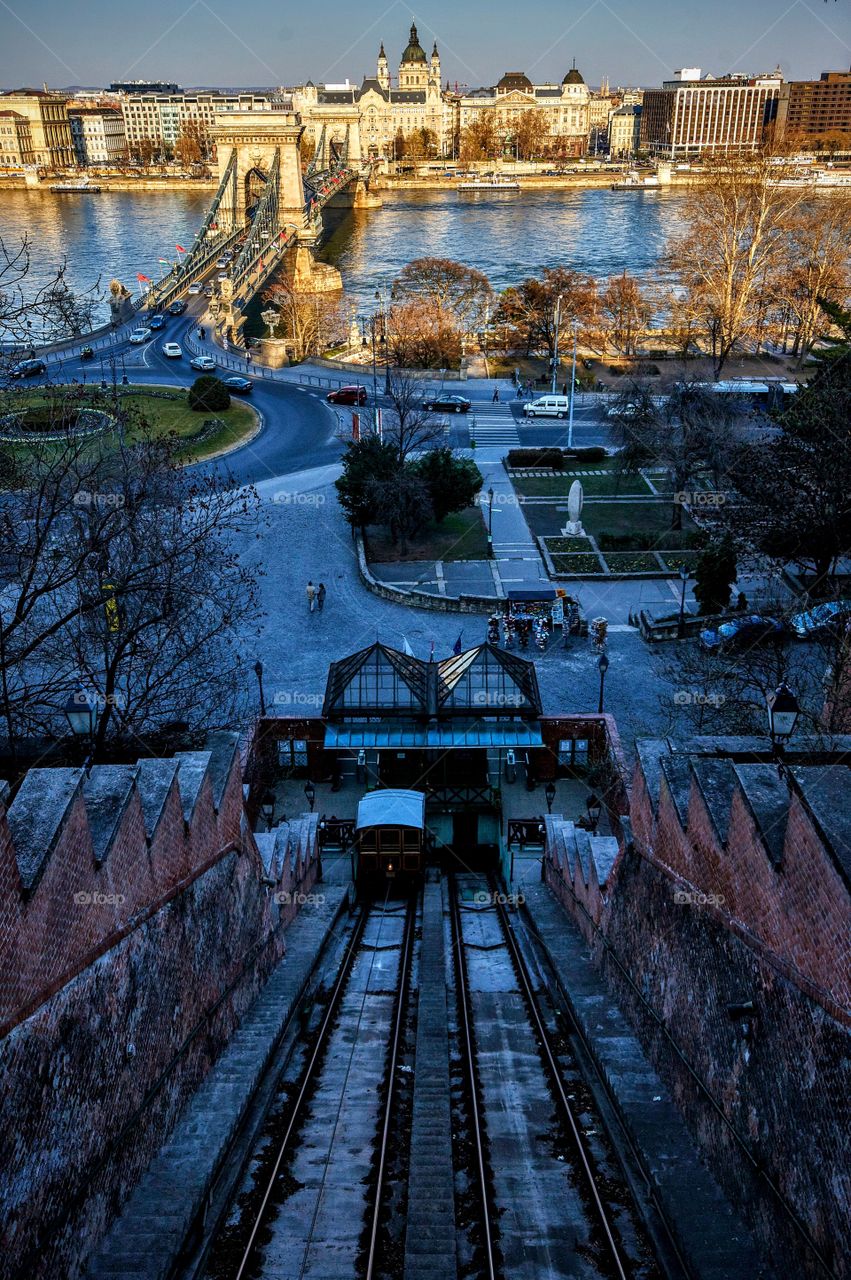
52,146
565,108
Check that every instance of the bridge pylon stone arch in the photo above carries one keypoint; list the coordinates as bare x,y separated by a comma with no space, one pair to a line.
256,136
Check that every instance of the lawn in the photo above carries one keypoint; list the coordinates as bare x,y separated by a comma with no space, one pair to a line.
166,416
459,537
593,485
631,561
646,525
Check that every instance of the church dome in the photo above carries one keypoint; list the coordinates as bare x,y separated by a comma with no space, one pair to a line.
414,52
573,76
514,81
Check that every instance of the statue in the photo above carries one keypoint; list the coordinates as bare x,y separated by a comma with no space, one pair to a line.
575,499
120,303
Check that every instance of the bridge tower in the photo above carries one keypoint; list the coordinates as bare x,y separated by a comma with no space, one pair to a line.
257,137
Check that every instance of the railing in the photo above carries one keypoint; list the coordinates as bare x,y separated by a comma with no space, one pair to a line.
336,833
526,831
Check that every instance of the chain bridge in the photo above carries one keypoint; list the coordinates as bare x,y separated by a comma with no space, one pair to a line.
268,212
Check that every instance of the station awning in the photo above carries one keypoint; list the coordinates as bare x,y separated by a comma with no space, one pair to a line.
464,734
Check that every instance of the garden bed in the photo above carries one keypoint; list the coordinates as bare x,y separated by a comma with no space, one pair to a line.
631,561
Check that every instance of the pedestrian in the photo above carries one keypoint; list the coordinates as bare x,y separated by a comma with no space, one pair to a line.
311,597
496,395
564,389
320,596
248,357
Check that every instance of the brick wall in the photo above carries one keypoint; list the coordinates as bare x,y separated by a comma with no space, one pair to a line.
118,1009
721,898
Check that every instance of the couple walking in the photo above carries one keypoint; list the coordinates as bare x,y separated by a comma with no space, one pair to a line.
315,597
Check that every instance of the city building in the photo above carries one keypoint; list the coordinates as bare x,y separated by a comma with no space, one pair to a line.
50,130
144,86
815,109
16,144
98,133
690,115
564,108
625,131
161,118
386,113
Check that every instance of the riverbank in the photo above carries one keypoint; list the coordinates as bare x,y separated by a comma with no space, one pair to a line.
530,182
168,185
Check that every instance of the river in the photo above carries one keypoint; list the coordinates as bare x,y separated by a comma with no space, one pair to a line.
507,235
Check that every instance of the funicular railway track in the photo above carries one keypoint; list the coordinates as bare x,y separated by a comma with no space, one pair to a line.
288,1219
553,1202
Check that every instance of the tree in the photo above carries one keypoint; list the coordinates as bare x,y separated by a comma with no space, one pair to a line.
312,321
689,430
208,394
37,313
402,504
452,482
481,139
419,144
422,336
458,292
736,226
366,462
122,573
193,144
528,311
715,574
408,427
793,492
815,268
626,313
531,132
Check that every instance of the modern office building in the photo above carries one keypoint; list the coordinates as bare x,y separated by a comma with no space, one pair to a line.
690,115
815,109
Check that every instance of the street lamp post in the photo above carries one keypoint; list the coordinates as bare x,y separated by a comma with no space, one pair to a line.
681,624
490,523
595,807
572,386
310,794
258,671
554,378
550,794
783,712
603,666
81,712
267,808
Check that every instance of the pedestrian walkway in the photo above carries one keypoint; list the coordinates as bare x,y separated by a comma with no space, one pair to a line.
515,552
494,425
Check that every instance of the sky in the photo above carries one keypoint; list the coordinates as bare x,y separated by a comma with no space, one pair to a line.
267,42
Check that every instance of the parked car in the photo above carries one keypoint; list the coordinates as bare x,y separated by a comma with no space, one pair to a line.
742,633
547,407
241,385
157,322
443,403
347,395
177,308
204,364
27,369
832,614
139,336
195,288
172,350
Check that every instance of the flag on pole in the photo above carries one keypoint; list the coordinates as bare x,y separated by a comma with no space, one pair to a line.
456,648
164,262
406,647
142,278
180,248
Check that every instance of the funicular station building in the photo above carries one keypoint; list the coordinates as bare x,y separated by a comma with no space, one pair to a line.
467,732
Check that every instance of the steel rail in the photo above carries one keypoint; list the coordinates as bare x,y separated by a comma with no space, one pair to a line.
392,1062
472,1077
522,973
307,1080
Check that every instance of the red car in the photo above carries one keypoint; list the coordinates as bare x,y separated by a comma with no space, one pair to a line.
347,395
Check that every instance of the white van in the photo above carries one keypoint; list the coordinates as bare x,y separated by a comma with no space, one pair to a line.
547,407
